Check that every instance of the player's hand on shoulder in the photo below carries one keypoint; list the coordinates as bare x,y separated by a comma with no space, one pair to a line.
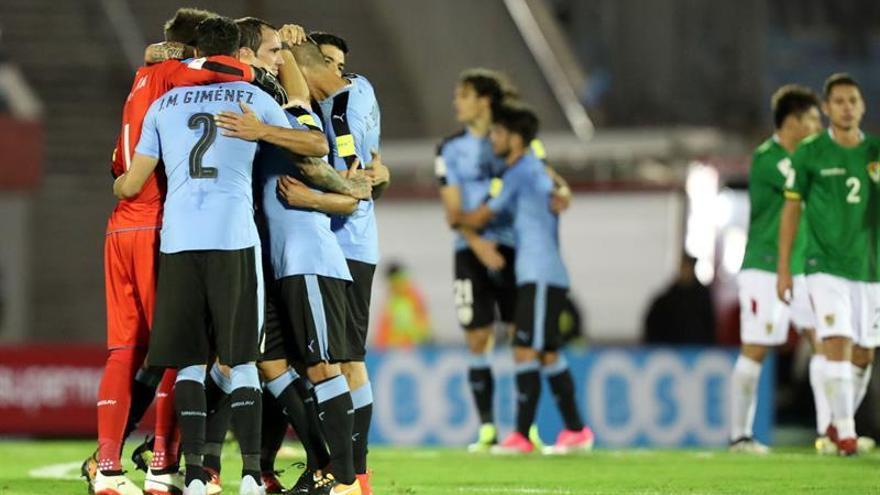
245,125
293,34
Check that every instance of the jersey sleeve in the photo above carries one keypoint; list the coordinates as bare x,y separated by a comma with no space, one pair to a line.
503,190
209,70
798,180
305,118
149,143
444,167
342,128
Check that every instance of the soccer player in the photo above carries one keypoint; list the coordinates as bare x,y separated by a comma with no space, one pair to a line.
525,190
334,49
764,318
130,276
835,174
484,273
209,269
351,119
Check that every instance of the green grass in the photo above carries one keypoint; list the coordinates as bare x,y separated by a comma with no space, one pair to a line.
443,471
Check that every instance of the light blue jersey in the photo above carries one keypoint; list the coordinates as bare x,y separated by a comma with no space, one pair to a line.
525,190
300,240
352,123
209,204
466,161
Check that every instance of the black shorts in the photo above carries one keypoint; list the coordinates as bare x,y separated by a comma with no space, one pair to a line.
207,301
358,298
305,320
479,292
538,310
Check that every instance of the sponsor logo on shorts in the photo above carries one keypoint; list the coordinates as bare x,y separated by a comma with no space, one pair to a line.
108,402
768,327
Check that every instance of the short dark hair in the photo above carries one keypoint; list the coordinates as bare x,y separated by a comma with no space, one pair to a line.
792,99
323,38
252,32
308,55
217,36
838,79
182,27
486,83
518,119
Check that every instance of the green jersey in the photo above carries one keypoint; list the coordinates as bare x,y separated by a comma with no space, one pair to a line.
840,188
771,165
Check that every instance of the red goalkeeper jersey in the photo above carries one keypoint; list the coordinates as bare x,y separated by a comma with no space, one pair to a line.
150,83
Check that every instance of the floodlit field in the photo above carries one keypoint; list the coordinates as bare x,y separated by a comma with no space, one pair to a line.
52,468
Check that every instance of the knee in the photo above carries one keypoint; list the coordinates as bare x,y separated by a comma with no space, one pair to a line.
322,371
272,369
479,340
862,357
524,354
355,374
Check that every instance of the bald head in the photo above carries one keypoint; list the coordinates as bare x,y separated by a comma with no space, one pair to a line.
309,56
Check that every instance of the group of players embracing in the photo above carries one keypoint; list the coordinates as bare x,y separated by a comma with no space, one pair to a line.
239,260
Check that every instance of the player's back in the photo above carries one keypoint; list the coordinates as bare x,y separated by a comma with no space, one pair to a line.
209,204
538,256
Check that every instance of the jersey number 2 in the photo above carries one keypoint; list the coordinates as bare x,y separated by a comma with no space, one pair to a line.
196,170
854,187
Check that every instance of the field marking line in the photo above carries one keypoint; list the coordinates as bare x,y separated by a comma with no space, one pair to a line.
62,471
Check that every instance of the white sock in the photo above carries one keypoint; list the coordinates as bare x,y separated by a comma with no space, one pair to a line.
820,397
743,397
861,380
838,377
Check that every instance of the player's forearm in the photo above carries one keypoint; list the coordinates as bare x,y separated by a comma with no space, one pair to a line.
319,173
124,187
788,227
476,219
336,204
292,78
297,141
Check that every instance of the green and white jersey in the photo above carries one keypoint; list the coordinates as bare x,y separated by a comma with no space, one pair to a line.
840,188
771,165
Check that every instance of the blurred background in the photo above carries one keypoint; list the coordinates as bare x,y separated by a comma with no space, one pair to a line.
649,109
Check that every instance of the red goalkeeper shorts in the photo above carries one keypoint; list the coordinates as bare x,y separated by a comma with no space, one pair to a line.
130,266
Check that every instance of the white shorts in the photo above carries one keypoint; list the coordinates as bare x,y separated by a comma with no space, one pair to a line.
764,319
846,308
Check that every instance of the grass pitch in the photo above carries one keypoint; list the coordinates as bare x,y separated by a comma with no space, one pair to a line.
51,467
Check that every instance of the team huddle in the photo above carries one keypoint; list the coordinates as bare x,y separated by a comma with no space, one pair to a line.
813,259
239,260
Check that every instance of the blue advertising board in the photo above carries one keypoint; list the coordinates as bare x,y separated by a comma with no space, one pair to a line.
630,397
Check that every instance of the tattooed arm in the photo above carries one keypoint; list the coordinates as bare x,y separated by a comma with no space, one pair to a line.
321,174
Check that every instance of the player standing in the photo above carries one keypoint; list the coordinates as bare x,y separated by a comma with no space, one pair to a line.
836,173
130,277
764,318
351,119
484,262
526,191
209,269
